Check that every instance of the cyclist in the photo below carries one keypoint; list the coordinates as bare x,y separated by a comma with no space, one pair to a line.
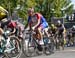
20,29
12,27
3,16
72,30
61,33
36,21
53,29
72,34
60,28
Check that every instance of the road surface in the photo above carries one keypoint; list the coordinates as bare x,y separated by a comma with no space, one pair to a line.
69,52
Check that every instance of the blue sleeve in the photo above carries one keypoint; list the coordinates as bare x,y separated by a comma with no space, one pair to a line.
29,18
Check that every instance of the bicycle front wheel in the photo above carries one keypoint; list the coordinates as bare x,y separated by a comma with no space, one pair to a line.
17,51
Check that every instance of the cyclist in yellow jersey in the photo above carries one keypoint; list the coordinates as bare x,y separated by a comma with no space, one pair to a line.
53,29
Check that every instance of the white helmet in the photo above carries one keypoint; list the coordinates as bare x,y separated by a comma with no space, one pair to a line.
59,22
73,26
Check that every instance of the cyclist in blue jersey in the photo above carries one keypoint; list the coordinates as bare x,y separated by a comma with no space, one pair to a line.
36,21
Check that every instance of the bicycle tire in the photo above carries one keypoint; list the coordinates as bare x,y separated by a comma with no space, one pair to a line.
19,48
31,49
47,49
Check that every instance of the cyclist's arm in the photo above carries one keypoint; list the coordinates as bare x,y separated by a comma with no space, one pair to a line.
14,30
37,23
38,18
28,22
1,31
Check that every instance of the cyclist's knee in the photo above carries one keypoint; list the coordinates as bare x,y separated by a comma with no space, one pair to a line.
39,29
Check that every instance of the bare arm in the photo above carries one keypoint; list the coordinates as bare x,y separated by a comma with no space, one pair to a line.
13,32
37,23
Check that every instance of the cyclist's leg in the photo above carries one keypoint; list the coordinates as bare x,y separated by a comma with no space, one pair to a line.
46,31
2,33
62,39
72,39
39,32
45,27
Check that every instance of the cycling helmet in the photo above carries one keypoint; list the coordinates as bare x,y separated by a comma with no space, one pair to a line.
58,22
3,13
52,25
74,26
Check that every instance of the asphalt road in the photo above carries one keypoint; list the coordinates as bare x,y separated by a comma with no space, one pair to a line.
69,52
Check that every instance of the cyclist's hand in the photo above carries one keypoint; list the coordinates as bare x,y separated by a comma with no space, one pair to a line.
33,28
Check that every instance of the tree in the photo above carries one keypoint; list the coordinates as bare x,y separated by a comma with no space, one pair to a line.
48,8
62,4
44,7
55,8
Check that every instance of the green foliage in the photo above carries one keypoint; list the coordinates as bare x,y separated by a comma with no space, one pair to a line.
58,5
48,8
51,8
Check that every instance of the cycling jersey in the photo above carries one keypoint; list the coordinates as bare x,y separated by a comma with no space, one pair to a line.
60,28
12,24
53,28
33,20
72,30
12,27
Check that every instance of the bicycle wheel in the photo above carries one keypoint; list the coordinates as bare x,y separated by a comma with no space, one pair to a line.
4,55
52,45
17,51
61,42
24,46
57,43
31,48
47,46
